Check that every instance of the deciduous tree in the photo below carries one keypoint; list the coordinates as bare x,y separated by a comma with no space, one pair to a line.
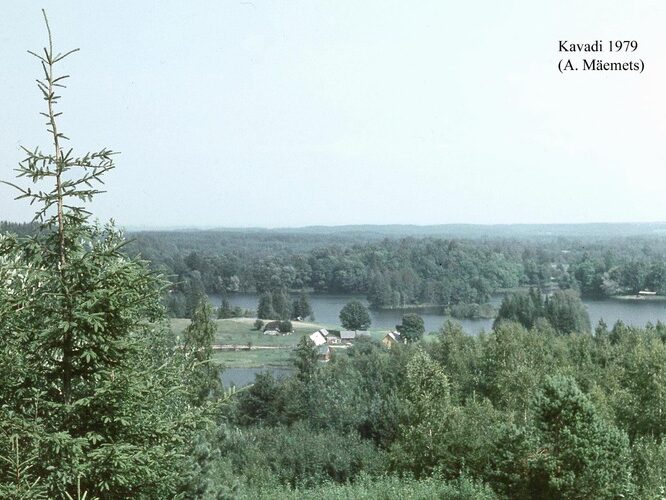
355,316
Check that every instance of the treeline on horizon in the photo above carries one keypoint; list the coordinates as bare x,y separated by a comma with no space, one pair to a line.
395,272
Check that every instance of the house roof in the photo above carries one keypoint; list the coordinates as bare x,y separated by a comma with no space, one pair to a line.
395,336
347,334
318,338
324,332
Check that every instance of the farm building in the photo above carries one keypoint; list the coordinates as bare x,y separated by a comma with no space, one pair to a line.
392,338
323,353
333,339
318,338
347,335
350,335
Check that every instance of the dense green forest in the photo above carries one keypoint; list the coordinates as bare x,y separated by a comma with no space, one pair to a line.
100,399
517,413
394,271
401,271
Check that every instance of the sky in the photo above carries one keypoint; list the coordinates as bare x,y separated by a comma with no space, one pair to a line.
295,113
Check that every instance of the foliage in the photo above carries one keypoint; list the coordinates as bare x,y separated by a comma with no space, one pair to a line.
203,373
274,305
226,311
566,312
396,271
369,488
355,316
582,456
265,307
100,400
285,327
523,308
301,307
93,403
281,304
412,327
262,403
563,310
305,359
471,311
299,456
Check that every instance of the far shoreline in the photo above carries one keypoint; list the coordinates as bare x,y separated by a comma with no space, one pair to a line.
639,298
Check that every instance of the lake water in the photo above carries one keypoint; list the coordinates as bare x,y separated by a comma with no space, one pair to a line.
326,308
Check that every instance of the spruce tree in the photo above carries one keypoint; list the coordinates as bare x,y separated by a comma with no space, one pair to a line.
92,399
301,307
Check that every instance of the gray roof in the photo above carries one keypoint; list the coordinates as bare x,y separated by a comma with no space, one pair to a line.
347,334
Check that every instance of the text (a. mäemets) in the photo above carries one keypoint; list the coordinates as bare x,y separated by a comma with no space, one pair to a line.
586,56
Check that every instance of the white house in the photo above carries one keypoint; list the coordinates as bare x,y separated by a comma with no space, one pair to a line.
318,338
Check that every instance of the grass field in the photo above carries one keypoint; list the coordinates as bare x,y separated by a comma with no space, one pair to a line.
240,332
254,358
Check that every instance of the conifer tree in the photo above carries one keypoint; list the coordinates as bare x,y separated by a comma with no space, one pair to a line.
92,400
265,307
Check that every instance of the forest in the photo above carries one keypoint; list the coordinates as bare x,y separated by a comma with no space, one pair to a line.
400,271
101,398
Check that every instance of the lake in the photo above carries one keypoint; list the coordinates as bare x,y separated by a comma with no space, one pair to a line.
326,308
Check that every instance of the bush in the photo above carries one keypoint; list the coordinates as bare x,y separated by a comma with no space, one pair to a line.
299,456
369,488
471,311
258,325
285,327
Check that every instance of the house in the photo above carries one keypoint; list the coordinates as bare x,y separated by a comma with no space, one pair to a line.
323,353
350,336
333,339
392,338
347,335
318,338
646,293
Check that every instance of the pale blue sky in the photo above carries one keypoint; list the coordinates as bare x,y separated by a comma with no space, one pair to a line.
252,113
